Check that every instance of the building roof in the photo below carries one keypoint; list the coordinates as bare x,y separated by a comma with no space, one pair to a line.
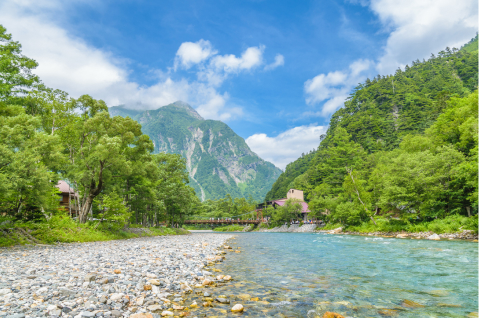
65,188
282,202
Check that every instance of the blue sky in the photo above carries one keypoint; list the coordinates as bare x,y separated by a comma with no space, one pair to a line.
274,71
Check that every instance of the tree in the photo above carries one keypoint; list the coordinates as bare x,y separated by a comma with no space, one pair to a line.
291,209
98,146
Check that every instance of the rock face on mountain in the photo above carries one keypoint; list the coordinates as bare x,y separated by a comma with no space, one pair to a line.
219,161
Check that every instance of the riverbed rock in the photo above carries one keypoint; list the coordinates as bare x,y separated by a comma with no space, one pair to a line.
78,279
167,313
411,304
329,314
141,315
237,308
434,237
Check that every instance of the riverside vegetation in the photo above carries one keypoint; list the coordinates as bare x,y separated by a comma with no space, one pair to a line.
46,136
402,152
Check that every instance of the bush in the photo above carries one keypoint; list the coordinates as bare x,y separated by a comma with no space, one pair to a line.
229,228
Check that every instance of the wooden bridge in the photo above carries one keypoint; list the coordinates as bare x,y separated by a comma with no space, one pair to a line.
223,221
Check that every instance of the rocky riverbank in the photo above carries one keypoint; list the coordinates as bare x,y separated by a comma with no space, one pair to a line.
295,228
139,278
464,235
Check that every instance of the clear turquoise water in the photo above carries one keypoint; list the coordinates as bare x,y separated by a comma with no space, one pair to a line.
304,275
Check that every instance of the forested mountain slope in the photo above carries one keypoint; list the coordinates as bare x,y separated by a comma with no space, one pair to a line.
403,145
219,161
381,112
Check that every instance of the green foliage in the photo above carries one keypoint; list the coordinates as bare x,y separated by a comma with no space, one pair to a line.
401,153
229,228
46,136
291,210
113,209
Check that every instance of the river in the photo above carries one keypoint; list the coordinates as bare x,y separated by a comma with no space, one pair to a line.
307,274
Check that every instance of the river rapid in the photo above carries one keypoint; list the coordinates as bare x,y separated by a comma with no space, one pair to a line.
307,274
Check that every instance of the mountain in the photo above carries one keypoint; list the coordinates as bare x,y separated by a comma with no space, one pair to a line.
381,112
219,161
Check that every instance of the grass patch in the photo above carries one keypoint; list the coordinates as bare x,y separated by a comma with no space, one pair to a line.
450,224
199,227
61,229
230,228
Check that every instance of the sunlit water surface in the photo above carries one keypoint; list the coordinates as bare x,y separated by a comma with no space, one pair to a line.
306,274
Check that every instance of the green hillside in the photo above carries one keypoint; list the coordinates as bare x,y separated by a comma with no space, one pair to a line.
385,117
219,161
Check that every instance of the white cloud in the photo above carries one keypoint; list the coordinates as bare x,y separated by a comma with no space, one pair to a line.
278,61
420,28
221,66
190,53
334,87
287,146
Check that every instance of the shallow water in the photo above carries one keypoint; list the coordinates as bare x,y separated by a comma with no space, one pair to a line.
306,274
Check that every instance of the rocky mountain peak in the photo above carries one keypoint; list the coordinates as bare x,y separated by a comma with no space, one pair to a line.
185,106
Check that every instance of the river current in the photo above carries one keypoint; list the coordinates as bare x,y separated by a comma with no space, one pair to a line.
307,274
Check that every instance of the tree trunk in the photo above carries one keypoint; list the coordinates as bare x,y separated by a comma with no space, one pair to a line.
468,208
85,209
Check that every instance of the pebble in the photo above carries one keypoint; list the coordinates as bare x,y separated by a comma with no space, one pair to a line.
237,308
125,278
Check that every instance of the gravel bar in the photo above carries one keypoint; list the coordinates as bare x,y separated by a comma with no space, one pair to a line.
138,278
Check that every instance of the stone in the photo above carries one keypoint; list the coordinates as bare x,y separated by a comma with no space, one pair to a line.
401,235
66,309
90,277
222,300
175,307
206,282
336,231
244,296
66,292
388,312
103,299
154,307
116,296
155,282
140,301
117,271
5,291
87,314
220,277
434,237
329,314
227,277
167,314
115,314
55,313
194,305
411,304
237,251
237,308
147,287
141,315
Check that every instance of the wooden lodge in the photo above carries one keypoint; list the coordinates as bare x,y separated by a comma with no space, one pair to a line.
68,198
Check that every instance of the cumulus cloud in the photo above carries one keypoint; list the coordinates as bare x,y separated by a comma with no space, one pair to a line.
278,61
420,28
334,87
221,66
190,53
287,146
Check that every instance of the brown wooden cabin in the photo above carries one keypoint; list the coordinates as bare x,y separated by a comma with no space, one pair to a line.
68,198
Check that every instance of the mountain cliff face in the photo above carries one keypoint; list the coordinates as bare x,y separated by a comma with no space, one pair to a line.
219,161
